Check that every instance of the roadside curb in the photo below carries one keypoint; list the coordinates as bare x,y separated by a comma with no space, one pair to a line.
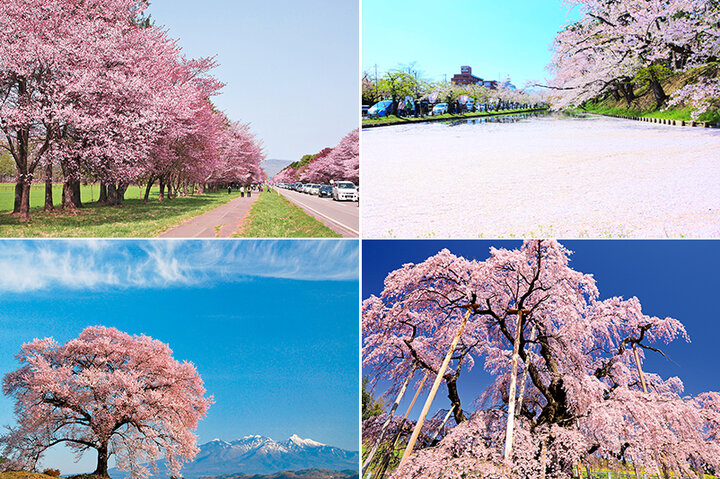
662,121
460,117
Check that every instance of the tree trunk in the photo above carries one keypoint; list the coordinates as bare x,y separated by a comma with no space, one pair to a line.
25,200
71,195
103,198
102,462
19,186
658,91
147,190
116,194
454,399
49,206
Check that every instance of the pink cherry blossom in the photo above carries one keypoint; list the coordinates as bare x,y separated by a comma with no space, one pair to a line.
120,395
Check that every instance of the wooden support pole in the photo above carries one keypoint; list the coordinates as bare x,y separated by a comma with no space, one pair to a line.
433,391
521,394
513,381
400,427
447,416
387,422
639,368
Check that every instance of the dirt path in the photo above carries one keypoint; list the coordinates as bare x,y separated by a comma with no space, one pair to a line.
218,223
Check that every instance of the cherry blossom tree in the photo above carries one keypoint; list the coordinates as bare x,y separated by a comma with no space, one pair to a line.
618,44
120,395
339,163
583,393
95,89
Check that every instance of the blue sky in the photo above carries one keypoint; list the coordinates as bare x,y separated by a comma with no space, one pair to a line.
670,278
272,326
290,68
497,39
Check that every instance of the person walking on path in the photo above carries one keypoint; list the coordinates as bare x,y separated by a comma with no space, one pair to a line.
242,192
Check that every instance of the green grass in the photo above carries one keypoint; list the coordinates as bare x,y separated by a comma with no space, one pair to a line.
394,119
88,193
132,219
680,114
273,216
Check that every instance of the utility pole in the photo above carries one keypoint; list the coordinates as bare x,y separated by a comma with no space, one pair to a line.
435,386
513,380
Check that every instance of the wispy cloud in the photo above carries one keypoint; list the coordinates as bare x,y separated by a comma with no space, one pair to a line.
97,264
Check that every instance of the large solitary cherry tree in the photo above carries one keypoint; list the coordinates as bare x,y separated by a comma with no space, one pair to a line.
582,394
120,395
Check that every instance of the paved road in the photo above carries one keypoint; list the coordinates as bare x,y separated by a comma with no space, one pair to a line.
218,223
343,217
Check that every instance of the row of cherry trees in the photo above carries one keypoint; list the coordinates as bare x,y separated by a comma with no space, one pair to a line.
92,89
582,395
618,45
339,163
399,84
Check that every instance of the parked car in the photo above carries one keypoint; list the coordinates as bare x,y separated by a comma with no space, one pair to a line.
440,109
314,189
326,191
344,190
381,108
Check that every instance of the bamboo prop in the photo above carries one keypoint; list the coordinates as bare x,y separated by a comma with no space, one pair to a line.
387,422
386,460
533,336
447,416
639,368
433,391
543,458
513,381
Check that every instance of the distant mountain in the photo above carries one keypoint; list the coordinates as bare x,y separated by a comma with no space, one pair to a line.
262,455
304,474
273,167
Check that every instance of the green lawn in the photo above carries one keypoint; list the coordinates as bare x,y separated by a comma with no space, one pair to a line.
273,216
132,219
680,114
88,193
394,119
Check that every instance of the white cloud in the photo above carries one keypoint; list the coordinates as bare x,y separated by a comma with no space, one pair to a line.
96,264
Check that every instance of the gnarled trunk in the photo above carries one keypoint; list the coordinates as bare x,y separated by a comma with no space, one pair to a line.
451,383
102,462
116,194
71,194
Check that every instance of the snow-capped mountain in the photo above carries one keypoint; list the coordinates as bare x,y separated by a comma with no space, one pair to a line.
262,455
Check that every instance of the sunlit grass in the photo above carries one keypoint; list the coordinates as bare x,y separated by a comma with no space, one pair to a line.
273,216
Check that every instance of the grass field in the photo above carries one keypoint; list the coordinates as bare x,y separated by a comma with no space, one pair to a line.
683,114
132,219
394,119
88,193
272,216
24,475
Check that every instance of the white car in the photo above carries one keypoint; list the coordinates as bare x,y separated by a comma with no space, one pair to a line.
344,190
440,109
